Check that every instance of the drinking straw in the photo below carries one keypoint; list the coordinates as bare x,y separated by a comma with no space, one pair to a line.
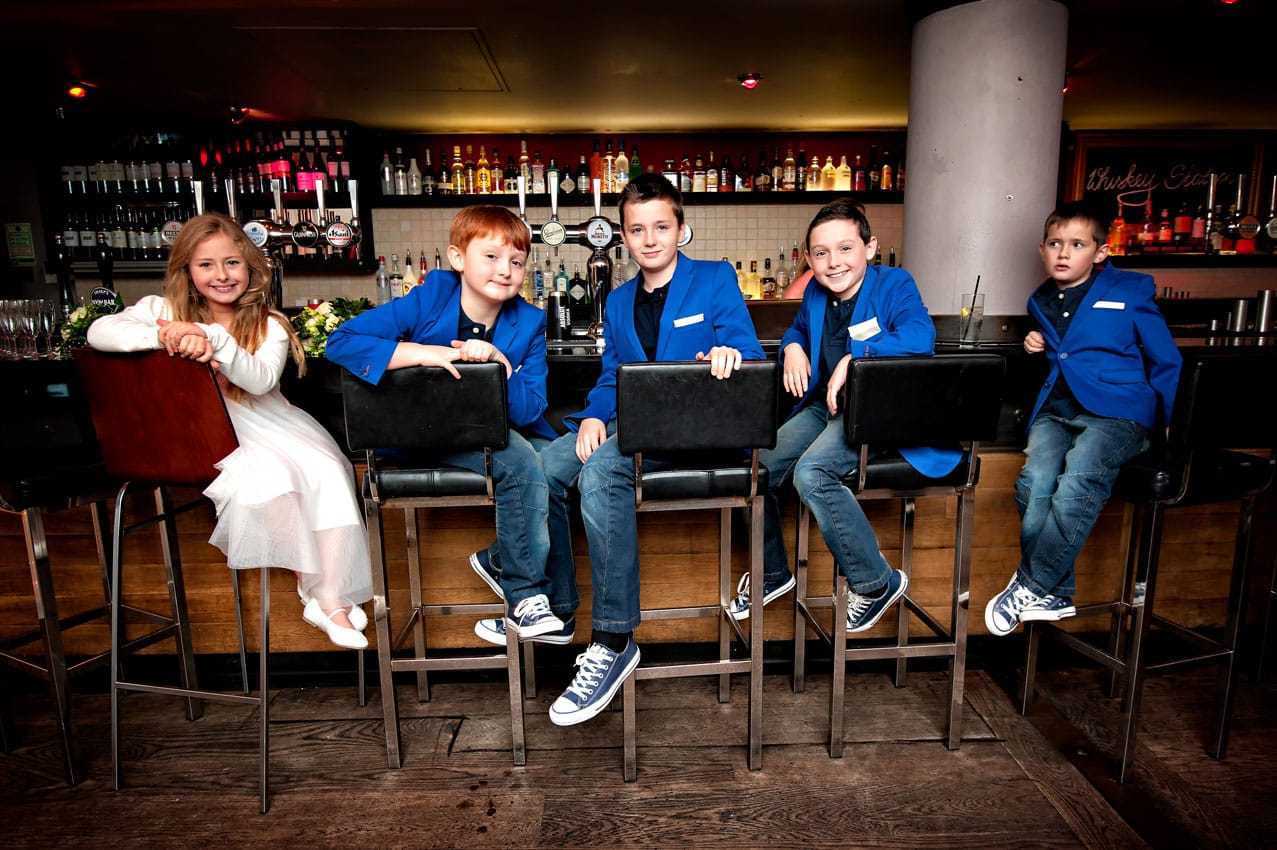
966,327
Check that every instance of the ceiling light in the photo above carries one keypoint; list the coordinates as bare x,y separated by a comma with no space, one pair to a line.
749,80
77,91
238,114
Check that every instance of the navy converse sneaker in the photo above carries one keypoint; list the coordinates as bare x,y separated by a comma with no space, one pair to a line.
599,672
1017,604
863,611
739,607
482,565
532,617
493,631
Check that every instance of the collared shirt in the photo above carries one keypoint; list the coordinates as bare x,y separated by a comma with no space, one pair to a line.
833,338
468,328
1059,306
648,307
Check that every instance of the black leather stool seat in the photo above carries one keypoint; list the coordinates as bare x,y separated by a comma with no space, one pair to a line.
58,487
890,471
425,483
713,483
1218,476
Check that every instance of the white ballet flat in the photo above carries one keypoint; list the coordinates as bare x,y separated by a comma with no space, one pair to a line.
358,618
343,636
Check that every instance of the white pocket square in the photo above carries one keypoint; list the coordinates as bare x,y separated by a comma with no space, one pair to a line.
862,331
1110,305
689,320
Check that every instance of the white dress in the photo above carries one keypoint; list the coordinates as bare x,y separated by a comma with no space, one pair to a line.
285,497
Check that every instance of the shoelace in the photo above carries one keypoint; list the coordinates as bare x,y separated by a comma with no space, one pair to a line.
857,605
1020,599
534,606
742,591
592,665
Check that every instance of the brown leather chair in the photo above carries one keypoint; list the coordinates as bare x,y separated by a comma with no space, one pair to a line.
410,414
1218,409
162,423
712,432
948,400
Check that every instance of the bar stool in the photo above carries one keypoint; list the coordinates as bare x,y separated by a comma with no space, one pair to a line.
711,431
1217,408
161,423
49,461
412,411
890,403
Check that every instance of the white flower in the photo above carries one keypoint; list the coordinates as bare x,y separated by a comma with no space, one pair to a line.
332,324
78,314
324,308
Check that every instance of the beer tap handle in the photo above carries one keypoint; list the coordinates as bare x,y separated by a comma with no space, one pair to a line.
278,194
554,200
319,204
352,186
523,200
231,204
598,198
198,187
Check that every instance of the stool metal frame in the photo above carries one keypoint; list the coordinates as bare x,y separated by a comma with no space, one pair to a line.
1216,408
415,411
162,422
889,403
678,412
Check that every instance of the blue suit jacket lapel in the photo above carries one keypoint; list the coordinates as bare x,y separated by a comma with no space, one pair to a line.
679,287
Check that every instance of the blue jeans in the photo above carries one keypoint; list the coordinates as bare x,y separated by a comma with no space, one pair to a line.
1066,480
792,440
521,496
818,478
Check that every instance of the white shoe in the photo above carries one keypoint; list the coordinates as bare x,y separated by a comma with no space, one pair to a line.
343,636
358,618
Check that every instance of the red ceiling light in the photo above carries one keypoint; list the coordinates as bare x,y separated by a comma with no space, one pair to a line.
77,91
749,80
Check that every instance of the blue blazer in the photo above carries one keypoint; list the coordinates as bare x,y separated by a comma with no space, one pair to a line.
1117,354
890,320
703,308
429,315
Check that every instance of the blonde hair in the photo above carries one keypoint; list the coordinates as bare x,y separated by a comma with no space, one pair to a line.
248,326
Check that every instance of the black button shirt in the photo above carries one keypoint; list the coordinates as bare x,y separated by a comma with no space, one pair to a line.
648,307
833,338
1059,306
468,328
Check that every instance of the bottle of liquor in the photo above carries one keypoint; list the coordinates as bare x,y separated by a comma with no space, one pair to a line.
511,176
800,168
1182,227
414,177
458,172
438,260
711,174
814,175
768,282
560,277
409,276
842,176
387,174
829,175
525,166
579,304
789,171
900,174
469,179
1148,231
778,171
858,176
740,278
425,270
874,175
483,173
396,277
744,175
496,176
567,184
552,176
753,283
428,176
782,274
381,290
886,181
583,185
726,175
636,167
891,257
443,182
1165,228
1198,233
1117,234
763,176
596,169
608,174
401,173
793,264
620,169
537,170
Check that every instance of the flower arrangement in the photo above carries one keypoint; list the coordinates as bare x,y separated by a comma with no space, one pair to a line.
314,324
76,327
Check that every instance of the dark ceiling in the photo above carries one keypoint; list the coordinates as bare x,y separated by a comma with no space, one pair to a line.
503,66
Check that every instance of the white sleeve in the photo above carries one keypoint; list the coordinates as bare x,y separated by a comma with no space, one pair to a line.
255,373
134,328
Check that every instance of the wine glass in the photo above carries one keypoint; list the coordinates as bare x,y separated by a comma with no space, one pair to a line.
8,329
48,312
28,327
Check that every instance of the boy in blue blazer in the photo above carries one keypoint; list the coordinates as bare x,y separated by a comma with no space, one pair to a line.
857,310
475,314
675,309
1114,369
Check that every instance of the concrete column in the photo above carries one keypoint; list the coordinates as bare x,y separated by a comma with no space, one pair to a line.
985,112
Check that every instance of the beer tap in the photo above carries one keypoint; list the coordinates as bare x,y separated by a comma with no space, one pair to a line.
600,235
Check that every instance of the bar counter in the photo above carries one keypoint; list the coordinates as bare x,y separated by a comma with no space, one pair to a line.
45,396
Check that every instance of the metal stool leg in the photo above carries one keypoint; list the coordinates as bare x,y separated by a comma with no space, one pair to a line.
800,599
51,637
177,598
1032,639
412,533
1125,592
519,745
838,633
529,670
629,733
1217,744
907,509
8,731
959,609
239,630
1151,537
1266,636
381,619
724,589
117,635
755,636
263,685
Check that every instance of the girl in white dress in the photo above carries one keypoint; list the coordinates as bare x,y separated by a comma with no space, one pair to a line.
285,497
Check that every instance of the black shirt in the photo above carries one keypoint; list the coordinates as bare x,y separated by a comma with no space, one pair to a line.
468,328
833,338
648,307
1059,306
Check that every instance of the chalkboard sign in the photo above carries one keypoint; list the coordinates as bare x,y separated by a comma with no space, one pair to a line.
1171,171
